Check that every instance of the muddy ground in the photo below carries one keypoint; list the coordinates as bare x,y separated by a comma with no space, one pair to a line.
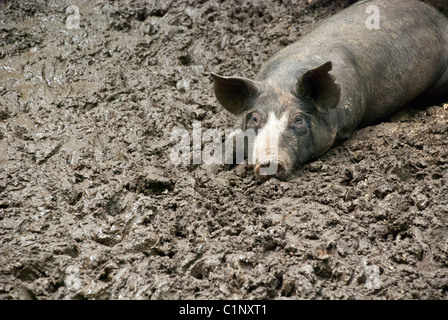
91,207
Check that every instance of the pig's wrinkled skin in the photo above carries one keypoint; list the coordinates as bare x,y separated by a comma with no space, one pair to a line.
339,77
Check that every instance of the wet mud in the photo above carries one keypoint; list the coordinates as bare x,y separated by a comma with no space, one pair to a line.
91,207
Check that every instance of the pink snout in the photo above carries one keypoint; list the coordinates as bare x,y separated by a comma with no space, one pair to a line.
268,169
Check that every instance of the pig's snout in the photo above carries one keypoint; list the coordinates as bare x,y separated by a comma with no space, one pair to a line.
270,168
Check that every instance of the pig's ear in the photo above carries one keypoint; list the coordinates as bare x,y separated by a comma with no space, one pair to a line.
234,93
318,85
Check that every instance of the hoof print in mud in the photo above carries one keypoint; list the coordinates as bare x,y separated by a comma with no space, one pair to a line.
151,183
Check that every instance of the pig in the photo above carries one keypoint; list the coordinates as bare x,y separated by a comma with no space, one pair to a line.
341,76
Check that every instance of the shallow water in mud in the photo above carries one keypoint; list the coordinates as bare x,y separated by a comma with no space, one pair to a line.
91,207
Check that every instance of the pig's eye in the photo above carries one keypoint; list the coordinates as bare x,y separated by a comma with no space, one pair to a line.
298,120
255,119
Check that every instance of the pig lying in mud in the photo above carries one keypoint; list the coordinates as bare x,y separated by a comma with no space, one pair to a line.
341,76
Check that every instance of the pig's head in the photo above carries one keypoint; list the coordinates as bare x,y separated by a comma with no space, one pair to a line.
290,123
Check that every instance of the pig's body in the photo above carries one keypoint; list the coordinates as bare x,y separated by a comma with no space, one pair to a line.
378,70
341,76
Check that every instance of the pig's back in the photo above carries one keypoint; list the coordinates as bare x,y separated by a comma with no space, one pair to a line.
390,65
